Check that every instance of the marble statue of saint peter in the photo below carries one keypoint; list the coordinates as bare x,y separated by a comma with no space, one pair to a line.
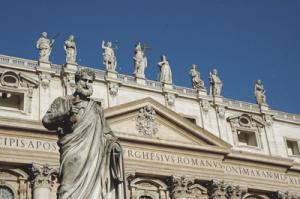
91,161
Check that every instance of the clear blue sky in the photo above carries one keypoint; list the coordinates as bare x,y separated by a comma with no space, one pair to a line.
244,40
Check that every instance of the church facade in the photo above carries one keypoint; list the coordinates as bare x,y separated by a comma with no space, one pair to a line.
177,142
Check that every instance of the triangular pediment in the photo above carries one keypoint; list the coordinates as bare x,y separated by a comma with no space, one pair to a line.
10,78
147,120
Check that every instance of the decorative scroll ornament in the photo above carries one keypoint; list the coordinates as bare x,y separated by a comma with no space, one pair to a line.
205,105
113,89
268,119
221,111
45,80
170,99
145,121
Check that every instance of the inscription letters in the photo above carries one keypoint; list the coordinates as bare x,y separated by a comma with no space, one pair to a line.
29,144
211,164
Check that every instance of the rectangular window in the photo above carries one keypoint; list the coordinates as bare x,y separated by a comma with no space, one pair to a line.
292,147
247,138
12,100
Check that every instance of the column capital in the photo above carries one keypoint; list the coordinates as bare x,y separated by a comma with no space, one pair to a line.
44,175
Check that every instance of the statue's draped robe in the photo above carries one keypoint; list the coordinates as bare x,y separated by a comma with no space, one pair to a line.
165,74
91,165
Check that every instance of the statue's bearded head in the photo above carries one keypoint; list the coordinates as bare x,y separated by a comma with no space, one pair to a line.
84,82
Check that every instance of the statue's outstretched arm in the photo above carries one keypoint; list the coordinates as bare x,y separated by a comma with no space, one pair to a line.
55,114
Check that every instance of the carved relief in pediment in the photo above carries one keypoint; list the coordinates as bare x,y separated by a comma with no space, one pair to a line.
146,123
16,90
17,79
245,121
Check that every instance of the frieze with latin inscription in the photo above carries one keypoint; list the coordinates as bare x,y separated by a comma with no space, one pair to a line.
184,160
28,144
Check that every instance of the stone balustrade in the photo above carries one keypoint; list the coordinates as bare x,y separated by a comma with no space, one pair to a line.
130,80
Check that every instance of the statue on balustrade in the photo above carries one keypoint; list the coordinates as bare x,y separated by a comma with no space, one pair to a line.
71,51
215,83
259,93
109,58
197,82
90,155
140,61
165,75
44,45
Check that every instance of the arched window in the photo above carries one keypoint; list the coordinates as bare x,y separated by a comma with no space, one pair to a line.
145,197
6,193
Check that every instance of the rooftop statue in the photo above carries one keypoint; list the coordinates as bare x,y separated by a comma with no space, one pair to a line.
215,83
140,61
259,93
44,45
90,155
109,58
71,51
165,75
197,82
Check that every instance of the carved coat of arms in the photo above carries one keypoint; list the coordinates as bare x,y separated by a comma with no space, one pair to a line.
145,121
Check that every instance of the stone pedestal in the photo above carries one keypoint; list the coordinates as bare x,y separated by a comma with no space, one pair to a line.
140,80
44,178
202,92
167,86
46,65
263,107
111,74
71,66
218,99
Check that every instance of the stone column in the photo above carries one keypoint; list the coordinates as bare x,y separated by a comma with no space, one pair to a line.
44,177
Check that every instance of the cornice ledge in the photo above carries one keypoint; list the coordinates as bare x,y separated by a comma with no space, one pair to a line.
13,123
295,167
151,141
279,161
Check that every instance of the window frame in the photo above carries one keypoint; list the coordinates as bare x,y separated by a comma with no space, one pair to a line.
286,139
248,130
24,92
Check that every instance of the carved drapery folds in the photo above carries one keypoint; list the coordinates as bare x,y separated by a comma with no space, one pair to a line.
145,121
